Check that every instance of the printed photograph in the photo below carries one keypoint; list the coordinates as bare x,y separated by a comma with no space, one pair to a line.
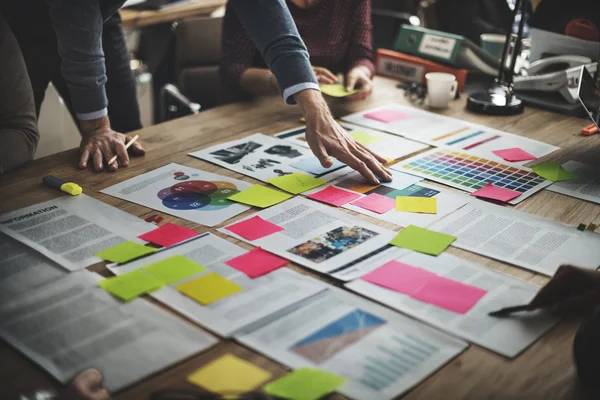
283,150
233,155
332,243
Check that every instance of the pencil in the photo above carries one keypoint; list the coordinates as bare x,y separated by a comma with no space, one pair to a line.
132,141
504,312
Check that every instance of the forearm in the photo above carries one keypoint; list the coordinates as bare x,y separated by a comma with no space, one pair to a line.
18,146
258,82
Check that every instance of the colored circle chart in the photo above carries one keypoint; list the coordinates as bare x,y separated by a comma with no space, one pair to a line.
198,195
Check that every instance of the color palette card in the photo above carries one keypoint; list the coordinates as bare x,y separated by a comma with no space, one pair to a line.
470,172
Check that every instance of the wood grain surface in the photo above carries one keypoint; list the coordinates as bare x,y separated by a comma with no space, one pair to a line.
137,18
544,371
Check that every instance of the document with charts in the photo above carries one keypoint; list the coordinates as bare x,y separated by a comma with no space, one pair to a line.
385,144
521,239
263,157
317,236
442,131
506,336
382,353
585,187
71,229
259,298
184,192
70,324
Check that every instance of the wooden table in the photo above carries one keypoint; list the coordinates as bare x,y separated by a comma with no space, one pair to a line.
544,371
138,18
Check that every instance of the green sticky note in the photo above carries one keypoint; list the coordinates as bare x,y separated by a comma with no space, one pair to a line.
259,196
174,269
130,285
364,138
553,171
422,240
296,183
336,90
124,252
304,384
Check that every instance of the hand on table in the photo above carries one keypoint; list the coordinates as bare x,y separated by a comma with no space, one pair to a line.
86,386
99,142
324,76
570,289
327,138
359,78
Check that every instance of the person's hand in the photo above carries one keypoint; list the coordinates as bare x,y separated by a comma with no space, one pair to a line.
327,138
99,141
359,78
324,76
571,288
86,386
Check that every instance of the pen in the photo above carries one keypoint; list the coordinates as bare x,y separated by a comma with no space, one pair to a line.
505,312
68,187
132,141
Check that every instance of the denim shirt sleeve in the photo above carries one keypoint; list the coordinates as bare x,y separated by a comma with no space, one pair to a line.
78,26
274,33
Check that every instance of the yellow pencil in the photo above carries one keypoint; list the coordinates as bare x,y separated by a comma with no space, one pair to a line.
132,141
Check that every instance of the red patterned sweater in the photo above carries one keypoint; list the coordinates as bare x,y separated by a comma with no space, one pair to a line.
337,34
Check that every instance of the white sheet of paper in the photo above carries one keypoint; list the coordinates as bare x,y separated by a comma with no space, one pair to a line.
71,324
585,187
506,336
71,229
318,236
521,239
260,298
382,353
261,157
442,131
184,192
385,144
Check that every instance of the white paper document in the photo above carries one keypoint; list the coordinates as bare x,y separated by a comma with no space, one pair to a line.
71,229
22,268
260,298
585,187
525,240
184,192
386,145
317,236
71,324
442,131
382,353
263,157
506,336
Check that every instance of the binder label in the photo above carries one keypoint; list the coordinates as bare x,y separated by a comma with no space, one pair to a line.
437,46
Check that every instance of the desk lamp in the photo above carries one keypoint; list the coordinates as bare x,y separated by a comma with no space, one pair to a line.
500,99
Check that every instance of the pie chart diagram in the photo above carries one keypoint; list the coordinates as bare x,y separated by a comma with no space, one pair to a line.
198,195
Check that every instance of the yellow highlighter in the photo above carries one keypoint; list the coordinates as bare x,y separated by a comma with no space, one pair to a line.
68,187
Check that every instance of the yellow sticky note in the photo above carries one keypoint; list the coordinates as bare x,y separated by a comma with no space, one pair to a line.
304,384
229,374
174,269
364,138
336,90
130,285
209,288
414,204
422,240
124,252
259,196
296,183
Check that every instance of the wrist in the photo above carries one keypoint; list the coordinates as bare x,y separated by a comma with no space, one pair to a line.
89,127
311,103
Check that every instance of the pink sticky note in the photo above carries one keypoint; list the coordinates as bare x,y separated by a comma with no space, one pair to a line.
254,228
376,203
400,277
387,116
514,154
168,235
257,262
490,191
449,294
334,196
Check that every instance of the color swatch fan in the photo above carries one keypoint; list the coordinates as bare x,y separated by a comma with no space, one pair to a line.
470,172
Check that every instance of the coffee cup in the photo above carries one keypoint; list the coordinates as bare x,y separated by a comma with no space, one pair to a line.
441,88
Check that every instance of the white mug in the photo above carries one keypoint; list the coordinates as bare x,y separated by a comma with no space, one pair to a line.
441,88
